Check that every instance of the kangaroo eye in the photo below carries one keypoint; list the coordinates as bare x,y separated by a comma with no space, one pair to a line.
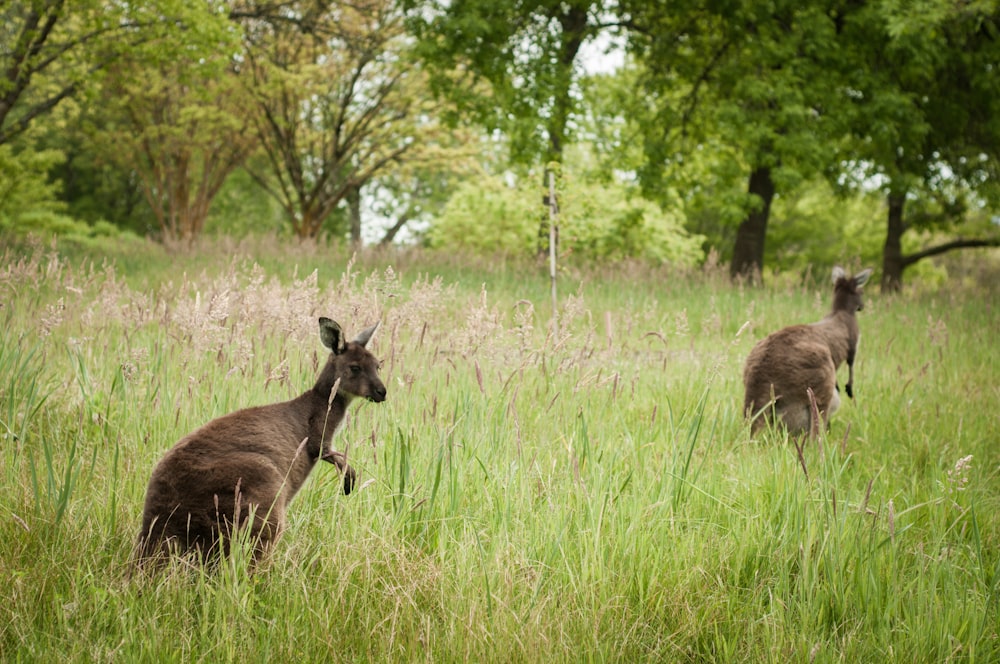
355,370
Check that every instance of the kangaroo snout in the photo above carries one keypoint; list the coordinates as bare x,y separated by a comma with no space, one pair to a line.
378,393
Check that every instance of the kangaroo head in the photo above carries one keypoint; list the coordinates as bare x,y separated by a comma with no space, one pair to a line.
847,290
350,363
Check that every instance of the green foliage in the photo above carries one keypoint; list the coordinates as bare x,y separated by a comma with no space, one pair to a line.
28,200
181,128
758,79
522,57
611,221
924,115
811,225
57,52
597,221
29,203
243,208
762,81
487,215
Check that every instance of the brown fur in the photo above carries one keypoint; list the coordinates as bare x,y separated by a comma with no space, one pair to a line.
783,366
250,464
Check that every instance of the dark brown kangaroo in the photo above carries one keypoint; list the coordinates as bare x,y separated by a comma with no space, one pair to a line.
784,366
248,465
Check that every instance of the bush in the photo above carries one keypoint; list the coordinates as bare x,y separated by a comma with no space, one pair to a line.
598,221
29,203
487,216
27,197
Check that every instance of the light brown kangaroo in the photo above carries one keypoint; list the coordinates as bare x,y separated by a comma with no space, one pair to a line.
782,367
249,464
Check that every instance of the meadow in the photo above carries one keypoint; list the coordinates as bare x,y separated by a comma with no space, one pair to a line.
587,491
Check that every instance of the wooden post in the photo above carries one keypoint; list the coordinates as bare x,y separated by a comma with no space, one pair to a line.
553,235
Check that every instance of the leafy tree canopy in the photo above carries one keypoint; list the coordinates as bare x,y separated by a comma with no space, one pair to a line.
512,65
55,50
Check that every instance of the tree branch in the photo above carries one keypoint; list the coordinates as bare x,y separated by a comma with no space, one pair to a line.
691,102
390,233
960,243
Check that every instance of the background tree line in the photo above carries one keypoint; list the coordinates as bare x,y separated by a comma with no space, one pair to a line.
776,133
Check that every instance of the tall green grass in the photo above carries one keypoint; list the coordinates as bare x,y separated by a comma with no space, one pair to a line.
591,495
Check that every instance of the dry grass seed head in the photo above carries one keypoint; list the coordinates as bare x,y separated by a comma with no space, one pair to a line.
482,333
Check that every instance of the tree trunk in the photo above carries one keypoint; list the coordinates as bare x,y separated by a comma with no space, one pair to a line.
893,260
305,225
354,214
573,23
748,253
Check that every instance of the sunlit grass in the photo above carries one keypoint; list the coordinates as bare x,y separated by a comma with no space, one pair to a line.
590,494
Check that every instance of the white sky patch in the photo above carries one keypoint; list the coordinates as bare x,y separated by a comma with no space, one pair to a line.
604,54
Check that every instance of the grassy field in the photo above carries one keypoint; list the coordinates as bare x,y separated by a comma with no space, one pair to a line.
528,495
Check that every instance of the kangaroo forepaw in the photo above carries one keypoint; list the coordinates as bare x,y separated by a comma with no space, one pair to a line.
340,461
349,479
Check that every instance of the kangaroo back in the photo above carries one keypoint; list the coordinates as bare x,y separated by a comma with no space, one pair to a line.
783,368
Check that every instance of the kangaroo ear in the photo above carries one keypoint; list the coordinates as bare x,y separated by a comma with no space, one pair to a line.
862,277
365,335
838,273
331,335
